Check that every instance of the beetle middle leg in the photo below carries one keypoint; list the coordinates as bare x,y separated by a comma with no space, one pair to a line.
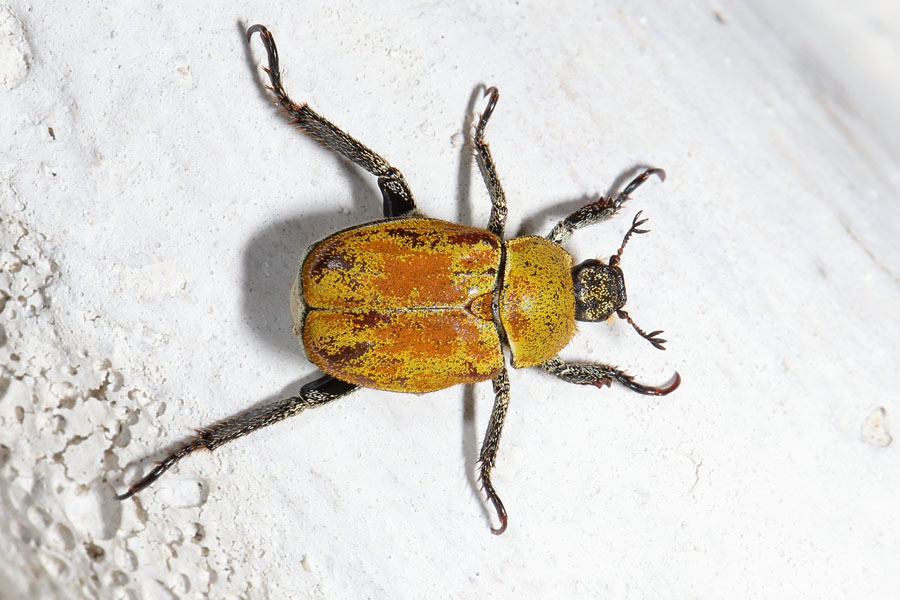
488,455
599,210
398,198
497,220
601,375
313,394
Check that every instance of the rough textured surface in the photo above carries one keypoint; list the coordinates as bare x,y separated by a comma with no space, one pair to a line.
154,205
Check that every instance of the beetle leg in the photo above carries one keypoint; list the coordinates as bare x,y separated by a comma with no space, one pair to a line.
600,210
398,198
313,394
497,220
488,454
600,375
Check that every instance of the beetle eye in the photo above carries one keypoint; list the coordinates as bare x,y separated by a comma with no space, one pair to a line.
599,290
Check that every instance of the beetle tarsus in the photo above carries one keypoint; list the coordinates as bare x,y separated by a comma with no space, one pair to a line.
635,184
255,29
274,71
667,388
163,466
498,506
494,93
598,375
602,209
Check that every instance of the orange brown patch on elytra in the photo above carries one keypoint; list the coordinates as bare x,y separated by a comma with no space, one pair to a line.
410,351
404,264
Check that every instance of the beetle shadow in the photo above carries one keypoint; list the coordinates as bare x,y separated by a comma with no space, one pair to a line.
272,254
552,214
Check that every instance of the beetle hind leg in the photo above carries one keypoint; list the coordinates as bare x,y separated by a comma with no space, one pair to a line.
604,375
316,393
497,220
602,209
488,455
398,198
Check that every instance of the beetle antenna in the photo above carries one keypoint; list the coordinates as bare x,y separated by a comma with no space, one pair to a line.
614,260
652,337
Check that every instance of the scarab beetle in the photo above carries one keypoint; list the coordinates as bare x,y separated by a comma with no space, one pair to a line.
413,304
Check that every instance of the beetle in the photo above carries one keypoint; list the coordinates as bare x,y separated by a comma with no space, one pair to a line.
413,304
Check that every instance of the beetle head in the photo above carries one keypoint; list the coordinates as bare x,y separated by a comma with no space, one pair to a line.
600,289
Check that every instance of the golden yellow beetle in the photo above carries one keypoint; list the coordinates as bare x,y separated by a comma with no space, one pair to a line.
412,304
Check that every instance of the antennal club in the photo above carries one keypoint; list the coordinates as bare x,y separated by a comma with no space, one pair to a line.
614,260
652,337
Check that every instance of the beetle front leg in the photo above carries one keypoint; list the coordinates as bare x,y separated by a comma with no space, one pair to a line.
313,394
497,220
398,198
602,209
488,454
603,375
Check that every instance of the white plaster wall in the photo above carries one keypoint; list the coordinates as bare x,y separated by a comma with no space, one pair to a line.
147,246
